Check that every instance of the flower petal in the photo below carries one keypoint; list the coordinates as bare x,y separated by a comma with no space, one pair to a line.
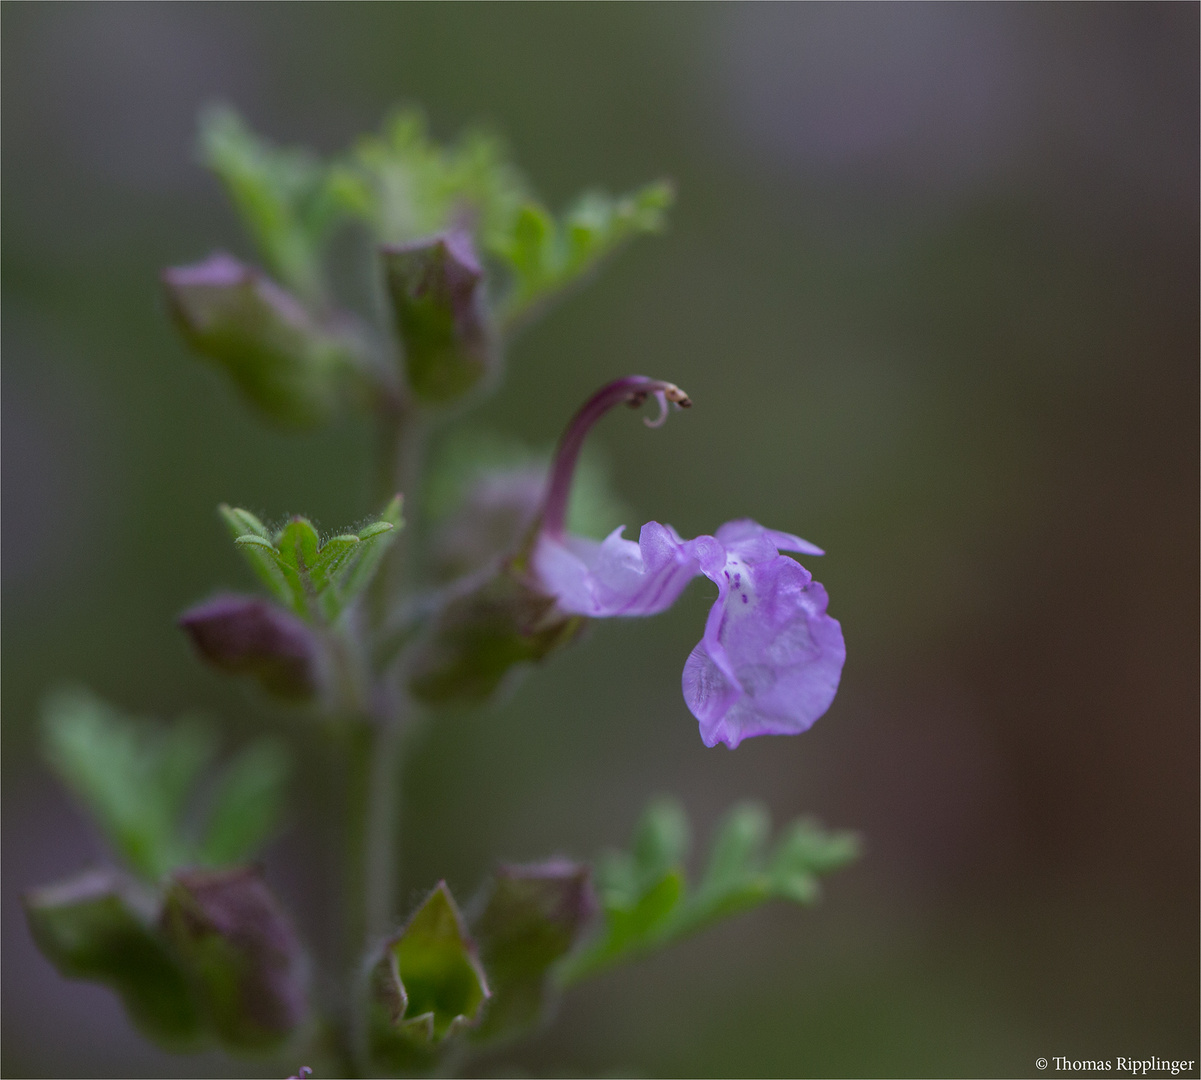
753,541
619,577
771,658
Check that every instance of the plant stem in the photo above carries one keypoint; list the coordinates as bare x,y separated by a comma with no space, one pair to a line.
382,826
377,732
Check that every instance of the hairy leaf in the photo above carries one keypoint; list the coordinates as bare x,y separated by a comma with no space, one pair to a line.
316,580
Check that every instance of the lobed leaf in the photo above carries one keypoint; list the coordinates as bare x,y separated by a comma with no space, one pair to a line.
133,777
288,200
298,544
545,257
315,580
138,781
409,187
254,542
374,542
246,804
645,896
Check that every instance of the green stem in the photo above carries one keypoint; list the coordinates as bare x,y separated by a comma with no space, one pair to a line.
373,835
382,827
377,728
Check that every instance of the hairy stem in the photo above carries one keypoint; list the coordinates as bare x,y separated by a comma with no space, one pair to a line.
376,738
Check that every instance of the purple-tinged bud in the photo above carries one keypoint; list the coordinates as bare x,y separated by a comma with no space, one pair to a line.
533,916
480,636
97,927
496,515
286,363
437,291
243,635
245,962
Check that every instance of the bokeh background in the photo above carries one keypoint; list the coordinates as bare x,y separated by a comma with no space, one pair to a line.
932,281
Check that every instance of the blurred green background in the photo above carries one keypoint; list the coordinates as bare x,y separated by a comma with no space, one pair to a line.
932,282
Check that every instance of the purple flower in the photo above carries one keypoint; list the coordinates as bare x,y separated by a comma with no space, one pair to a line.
770,658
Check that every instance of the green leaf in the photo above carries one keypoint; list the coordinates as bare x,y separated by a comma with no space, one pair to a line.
314,580
243,522
288,201
298,544
374,543
408,186
138,780
133,777
426,985
243,960
254,542
635,925
804,853
531,251
737,847
734,879
660,842
333,556
95,927
532,917
246,804
545,257
646,901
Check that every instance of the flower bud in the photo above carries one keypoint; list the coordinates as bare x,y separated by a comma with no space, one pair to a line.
497,512
533,916
437,291
480,636
283,360
243,635
244,960
95,927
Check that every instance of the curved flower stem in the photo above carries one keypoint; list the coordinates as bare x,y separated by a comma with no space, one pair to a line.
633,390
